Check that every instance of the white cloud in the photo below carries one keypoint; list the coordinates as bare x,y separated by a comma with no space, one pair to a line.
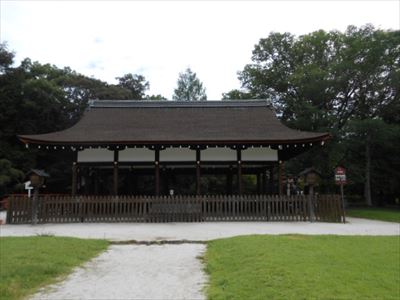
107,39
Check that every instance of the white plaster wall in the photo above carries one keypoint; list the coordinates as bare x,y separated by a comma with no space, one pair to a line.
95,155
136,155
259,154
178,154
218,154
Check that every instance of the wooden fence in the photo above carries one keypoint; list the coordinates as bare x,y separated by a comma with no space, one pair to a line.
68,209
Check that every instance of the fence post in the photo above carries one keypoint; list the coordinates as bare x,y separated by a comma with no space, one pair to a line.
343,206
35,204
311,213
81,218
9,211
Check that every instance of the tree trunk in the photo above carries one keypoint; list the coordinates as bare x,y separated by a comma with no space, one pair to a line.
367,185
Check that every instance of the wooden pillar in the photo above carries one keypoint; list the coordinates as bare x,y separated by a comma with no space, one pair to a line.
229,181
263,181
280,177
87,180
135,177
239,174
96,181
271,180
74,174
130,181
164,177
198,182
168,175
115,173
157,171
173,181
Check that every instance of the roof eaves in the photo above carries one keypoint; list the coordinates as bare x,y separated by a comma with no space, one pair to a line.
33,140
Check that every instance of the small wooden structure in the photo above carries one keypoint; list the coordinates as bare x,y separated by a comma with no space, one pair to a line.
37,178
310,177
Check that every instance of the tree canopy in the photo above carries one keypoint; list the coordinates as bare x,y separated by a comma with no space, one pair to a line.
136,84
341,82
38,98
189,87
155,97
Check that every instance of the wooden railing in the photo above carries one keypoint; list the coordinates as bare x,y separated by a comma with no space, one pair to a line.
67,209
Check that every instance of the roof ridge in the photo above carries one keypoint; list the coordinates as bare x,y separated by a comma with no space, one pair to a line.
170,103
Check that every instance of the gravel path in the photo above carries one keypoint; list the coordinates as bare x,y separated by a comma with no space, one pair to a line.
199,231
135,272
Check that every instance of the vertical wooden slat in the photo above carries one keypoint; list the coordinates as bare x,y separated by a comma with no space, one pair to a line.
285,203
10,212
234,206
272,208
277,208
258,207
14,210
228,204
21,211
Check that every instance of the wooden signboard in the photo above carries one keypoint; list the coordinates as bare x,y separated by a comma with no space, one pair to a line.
340,176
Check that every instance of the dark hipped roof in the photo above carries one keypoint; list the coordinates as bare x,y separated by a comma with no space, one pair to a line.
171,122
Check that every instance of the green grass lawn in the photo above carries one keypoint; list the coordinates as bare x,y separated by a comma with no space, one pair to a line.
391,215
27,263
304,267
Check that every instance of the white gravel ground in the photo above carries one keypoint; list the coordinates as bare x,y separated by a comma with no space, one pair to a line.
164,271
135,272
199,231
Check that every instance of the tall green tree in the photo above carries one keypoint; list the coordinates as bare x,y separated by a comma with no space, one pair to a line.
6,58
189,87
136,84
39,98
325,77
323,81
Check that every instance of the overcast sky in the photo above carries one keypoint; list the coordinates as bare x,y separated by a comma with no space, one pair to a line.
159,39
